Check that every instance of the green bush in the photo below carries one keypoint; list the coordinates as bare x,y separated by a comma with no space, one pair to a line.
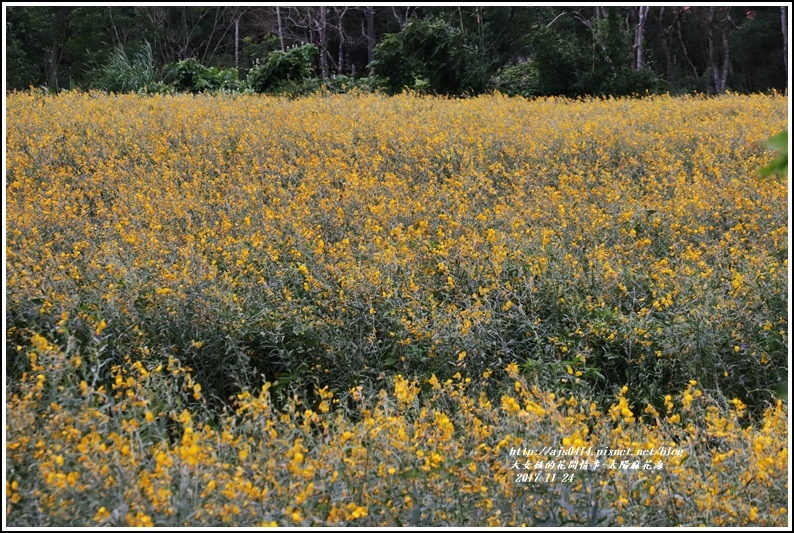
122,74
520,79
428,54
629,82
252,51
779,166
284,72
191,76
340,84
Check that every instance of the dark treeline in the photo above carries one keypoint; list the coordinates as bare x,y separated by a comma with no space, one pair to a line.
447,50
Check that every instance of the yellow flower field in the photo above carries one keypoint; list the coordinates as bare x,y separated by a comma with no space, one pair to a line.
350,309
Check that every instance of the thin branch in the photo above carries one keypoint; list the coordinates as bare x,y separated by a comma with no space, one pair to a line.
555,19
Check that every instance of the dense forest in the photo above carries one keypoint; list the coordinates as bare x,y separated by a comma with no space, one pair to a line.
531,51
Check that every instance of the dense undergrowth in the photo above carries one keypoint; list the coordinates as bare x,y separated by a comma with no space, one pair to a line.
601,272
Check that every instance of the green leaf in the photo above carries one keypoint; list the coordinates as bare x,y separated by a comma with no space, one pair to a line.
779,166
782,391
779,142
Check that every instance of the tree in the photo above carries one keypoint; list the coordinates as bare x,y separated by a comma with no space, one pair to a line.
27,31
370,11
716,19
427,50
784,23
322,31
283,71
638,57
459,50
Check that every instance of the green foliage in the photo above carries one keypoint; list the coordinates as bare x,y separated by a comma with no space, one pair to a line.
25,47
557,59
566,61
22,72
191,76
779,166
756,51
252,51
427,53
631,82
342,84
186,74
445,49
122,74
391,68
520,79
284,72
158,87
27,33
526,79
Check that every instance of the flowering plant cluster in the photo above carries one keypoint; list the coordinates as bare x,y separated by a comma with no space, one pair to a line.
236,309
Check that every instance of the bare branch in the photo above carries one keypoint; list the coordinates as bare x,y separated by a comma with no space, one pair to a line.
555,19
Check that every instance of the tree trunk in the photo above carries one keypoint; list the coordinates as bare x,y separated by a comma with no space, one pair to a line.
323,32
601,13
340,30
718,50
784,22
683,45
370,35
665,40
638,59
726,62
52,66
280,29
340,66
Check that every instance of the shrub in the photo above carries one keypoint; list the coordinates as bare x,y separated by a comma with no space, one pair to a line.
428,55
191,76
520,79
233,309
136,446
284,72
600,242
122,74
339,84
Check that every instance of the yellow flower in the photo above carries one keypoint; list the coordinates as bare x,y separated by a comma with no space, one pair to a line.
101,515
510,405
434,382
